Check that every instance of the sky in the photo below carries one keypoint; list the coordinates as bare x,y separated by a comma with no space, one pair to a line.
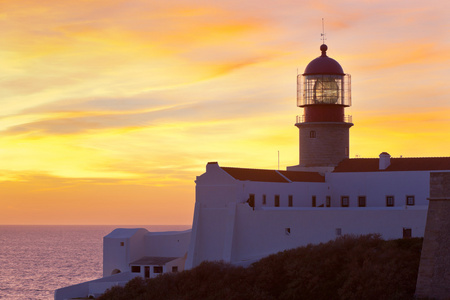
110,109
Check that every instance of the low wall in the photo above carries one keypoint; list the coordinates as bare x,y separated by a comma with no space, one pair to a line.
93,287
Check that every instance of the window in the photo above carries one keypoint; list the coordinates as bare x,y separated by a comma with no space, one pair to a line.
157,269
135,269
362,201
313,201
389,200
277,200
287,231
345,201
264,200
291,201
122,244
409,200
338,231
312,134
328,201
407,233
251,200
147,272
174,269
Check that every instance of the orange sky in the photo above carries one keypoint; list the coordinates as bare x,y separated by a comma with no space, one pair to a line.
111,108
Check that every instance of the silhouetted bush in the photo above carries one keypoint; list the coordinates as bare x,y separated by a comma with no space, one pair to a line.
364,267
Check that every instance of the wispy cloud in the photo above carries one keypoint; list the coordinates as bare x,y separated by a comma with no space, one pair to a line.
140,95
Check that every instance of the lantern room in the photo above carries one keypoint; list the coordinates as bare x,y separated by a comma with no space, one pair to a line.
324,90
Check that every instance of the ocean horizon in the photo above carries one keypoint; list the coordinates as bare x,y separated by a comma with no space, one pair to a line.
35,260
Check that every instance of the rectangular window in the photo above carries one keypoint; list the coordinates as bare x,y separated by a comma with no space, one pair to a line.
291,200
174,269
251,200
410,200
362,201
147,272
338,231
389,200
407,233
312,134
122,244
345,201
277,201
157,269
264,200
328,201
135,269
313,201
287,231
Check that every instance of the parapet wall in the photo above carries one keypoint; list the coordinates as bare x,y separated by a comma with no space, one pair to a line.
434,271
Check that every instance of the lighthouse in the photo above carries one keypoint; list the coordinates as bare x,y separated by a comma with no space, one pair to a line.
323,91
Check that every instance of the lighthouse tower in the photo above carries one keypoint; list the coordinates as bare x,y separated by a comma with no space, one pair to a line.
323,90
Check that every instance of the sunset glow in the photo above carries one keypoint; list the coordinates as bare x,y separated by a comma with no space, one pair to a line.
110,109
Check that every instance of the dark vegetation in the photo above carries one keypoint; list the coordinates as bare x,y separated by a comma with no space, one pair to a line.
364,267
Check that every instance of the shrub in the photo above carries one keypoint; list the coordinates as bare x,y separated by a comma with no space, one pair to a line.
350,267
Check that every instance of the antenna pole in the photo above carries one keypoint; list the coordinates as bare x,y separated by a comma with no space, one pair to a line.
323,32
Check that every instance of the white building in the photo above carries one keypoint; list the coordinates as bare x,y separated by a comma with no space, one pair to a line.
242,215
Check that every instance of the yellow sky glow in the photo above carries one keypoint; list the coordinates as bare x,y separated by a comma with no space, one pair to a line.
111,108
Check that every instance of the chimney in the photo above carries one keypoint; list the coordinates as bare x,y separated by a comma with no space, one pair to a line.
211,166
385,161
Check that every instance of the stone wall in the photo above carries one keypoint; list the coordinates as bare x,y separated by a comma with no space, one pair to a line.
434,271
328,146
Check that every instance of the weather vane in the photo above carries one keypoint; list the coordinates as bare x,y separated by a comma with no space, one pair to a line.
323,33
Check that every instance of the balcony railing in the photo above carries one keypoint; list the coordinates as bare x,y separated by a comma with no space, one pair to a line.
302,119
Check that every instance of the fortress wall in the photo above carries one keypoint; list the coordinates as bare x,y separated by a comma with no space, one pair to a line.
434,271
262,232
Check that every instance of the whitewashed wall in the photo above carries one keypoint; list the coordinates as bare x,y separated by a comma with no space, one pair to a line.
118,257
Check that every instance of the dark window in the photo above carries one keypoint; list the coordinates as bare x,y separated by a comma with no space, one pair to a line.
338,231
287,231
312,134
345,201
328,201
407,233
157,269
122,244
264,200
291,201
277,200
135,269
174,269
410,200
362,201
251,200
313,201
389,200
147,271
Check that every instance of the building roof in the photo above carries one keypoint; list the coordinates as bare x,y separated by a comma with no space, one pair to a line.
273,175
153,261
298,176
124,232
397,164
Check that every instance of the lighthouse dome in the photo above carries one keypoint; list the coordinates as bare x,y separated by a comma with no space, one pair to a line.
324,65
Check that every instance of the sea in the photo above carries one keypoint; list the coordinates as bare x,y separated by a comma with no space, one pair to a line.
37,260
